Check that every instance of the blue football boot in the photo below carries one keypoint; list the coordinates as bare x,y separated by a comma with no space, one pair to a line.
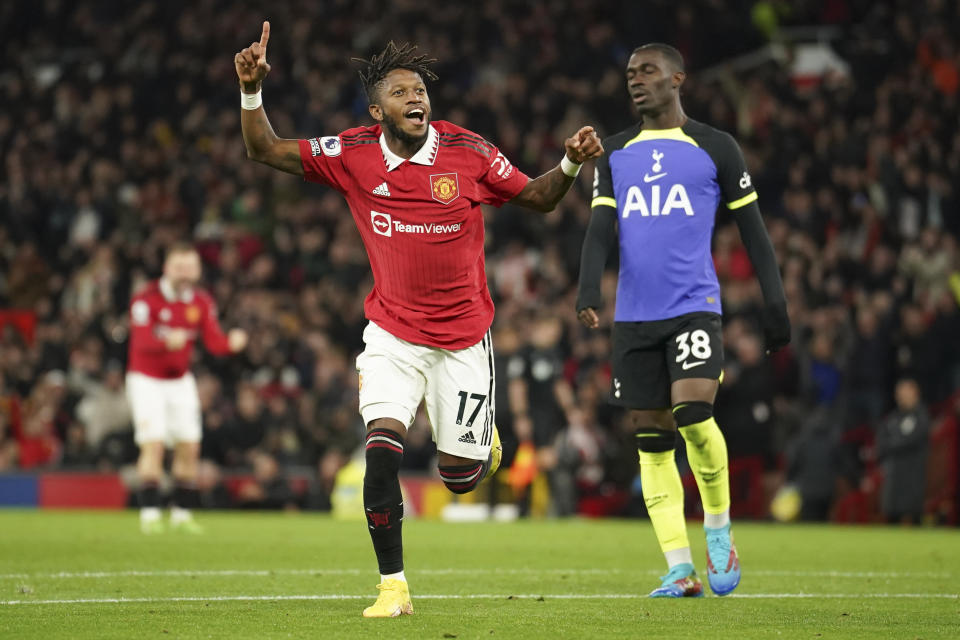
680,582
723,565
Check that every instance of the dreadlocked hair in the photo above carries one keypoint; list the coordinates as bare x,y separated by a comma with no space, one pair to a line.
393,57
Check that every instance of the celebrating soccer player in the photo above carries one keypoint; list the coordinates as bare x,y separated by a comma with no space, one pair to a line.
166,319
414,187
660,185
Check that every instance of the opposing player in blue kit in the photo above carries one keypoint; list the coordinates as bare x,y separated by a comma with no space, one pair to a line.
658,190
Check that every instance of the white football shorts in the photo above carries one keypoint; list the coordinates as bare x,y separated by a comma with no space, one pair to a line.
164,410
457,388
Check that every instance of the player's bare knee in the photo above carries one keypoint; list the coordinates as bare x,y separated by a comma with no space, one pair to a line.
388,424
151,457
660,419
694,390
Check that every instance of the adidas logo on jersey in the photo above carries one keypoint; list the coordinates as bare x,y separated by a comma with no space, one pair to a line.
382,190
468,438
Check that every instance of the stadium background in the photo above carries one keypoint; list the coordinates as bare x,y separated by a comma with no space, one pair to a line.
120,133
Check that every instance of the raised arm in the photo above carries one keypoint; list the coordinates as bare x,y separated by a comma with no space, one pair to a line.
543,193
262,143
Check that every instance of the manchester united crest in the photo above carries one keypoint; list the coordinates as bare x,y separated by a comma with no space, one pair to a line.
192,314
444,187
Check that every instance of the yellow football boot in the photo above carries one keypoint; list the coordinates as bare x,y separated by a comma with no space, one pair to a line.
393,601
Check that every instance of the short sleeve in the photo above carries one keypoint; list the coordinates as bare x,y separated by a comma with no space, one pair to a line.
322,160
736,187
603,195
499,181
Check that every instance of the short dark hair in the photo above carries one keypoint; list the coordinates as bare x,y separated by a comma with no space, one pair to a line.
672,55
393,57
180,246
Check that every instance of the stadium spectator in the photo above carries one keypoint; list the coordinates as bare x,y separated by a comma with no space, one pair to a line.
814,461
213,492
902,449
869,365
104,408
268,488
542,398
8,444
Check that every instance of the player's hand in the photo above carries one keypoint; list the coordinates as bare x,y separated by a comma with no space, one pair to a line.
176,339
237,340
583,145
776,327
588,317
251,63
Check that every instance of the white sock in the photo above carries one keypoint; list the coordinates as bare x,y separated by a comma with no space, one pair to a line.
150,514
678,556
393,576
716,520
179,514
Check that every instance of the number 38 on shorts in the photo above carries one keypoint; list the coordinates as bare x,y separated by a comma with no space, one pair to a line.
647,357
696,350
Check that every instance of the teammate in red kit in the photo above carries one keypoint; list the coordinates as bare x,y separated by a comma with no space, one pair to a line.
414,188
166,319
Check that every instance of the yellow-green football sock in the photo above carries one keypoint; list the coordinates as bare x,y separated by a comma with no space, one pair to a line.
707,454
662,489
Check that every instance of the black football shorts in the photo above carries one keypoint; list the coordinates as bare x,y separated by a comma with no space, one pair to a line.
649,356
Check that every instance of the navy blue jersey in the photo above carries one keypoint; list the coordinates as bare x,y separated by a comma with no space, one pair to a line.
666,186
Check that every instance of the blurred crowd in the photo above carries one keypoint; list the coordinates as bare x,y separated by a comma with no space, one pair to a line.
120,134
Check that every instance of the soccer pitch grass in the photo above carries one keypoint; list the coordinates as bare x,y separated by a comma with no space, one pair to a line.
255,575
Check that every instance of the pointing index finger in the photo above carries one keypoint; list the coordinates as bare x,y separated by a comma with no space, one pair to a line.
265,35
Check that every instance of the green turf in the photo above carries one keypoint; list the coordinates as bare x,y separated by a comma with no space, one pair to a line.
44,556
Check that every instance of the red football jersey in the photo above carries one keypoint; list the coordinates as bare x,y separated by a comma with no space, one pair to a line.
156,310
421,224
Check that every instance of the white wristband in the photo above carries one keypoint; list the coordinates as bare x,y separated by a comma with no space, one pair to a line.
251,101
569,167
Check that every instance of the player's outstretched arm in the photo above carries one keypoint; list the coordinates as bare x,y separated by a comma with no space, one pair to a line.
262,143
543,193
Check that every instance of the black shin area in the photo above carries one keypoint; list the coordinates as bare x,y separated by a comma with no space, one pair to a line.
652,440
689,413
149,494
382,500
186,495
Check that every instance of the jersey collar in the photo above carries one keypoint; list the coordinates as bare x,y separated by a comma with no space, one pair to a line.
425,155
171,296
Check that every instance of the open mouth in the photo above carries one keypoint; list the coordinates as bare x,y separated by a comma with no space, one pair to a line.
417,115
640,97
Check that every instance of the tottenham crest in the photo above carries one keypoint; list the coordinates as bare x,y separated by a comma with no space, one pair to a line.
444,187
